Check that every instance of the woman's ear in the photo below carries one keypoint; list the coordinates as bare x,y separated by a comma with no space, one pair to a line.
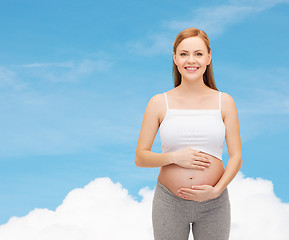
209,58
174,58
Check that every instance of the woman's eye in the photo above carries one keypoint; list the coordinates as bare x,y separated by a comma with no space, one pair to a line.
183,54
199,54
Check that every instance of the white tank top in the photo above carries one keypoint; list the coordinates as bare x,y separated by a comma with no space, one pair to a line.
200,129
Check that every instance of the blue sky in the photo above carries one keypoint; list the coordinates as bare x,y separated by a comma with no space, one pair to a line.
76,76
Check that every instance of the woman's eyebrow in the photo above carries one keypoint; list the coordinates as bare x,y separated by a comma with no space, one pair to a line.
194,51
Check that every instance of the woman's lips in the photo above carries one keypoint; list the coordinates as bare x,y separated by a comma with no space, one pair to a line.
191,69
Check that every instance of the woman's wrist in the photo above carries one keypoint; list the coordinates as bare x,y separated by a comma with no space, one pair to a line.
218,190
171,157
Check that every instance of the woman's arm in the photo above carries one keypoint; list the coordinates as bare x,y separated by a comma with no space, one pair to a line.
233,140
144,157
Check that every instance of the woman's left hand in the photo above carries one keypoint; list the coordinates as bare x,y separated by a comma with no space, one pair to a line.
198,193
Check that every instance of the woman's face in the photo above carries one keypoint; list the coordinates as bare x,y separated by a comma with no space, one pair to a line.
192,58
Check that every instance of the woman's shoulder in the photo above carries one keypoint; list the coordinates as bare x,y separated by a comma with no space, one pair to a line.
227,98
228,104
157,101
157,98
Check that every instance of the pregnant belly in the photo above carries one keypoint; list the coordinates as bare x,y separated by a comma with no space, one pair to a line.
174,177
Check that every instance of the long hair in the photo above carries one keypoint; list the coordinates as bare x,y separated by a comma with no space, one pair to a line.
208,76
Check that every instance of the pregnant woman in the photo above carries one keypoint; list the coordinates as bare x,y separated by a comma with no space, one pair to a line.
193,120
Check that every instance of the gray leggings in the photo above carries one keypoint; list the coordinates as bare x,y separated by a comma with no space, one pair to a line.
172,216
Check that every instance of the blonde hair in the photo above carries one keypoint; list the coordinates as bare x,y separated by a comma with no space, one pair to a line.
208,76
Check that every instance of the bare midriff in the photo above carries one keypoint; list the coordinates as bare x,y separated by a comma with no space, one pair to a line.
174,176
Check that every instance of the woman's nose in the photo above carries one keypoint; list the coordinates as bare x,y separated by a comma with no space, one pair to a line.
191,58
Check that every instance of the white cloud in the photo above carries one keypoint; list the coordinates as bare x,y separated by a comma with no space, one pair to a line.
154,44
43,116
104,210
101,210
46,65
213,20
68,71
19,77
8,79
259,4
256,212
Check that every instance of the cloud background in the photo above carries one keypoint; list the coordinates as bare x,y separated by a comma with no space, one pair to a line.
105,210
75,78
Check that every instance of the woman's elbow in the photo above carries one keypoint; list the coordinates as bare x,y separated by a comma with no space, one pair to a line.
236,159
137,160
240,162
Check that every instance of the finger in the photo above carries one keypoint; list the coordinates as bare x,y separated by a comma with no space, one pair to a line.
200,154
202,159
184,188
184,195
197,167
197,188
204,154
201,163
186,191
189,196
201,187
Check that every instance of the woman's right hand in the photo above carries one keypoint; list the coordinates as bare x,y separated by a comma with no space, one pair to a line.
191,158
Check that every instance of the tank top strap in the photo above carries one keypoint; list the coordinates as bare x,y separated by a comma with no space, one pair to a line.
166,100
220,101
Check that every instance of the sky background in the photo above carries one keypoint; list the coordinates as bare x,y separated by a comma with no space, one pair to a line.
76,76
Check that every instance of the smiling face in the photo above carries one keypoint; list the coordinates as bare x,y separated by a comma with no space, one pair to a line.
191,58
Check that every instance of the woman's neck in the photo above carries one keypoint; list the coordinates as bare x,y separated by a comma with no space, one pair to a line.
192,87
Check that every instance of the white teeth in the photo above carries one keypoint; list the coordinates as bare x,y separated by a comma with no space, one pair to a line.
191,69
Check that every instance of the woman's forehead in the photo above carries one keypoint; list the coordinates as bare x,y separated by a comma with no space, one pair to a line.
192,44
